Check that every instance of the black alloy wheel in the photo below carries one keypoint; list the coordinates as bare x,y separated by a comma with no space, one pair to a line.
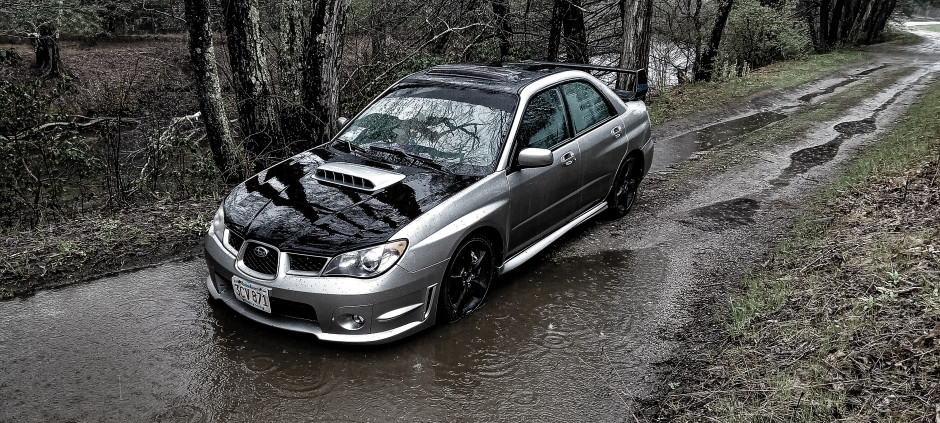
469,275
625,186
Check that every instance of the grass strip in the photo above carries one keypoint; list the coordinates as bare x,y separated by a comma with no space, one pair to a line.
843,321
688,99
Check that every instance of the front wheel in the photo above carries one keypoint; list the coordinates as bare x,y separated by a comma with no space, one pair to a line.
623,194
467,280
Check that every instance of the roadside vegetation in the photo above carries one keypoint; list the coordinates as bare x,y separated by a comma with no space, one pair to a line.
145,113
842,322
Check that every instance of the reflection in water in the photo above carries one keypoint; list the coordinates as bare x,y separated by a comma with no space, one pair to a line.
557,341
711,137
726,214
803,160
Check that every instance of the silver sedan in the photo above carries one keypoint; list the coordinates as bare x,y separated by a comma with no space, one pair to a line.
451,177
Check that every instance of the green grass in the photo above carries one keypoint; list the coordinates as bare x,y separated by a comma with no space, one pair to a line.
792,127
933,28
830,289
700,97
912,142
900,37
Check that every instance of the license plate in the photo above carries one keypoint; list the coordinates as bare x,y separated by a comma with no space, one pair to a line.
253,295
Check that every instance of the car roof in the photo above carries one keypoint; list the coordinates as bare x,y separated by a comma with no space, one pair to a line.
504,77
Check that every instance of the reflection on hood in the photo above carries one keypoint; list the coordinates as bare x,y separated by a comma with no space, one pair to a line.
286,207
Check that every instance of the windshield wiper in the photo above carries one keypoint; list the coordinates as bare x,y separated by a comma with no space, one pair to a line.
427,162
355,148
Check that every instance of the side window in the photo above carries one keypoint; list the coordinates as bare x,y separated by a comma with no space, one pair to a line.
587,106
544,123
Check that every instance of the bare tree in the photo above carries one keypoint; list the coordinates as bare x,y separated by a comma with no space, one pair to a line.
635,46
208,88
704,70
567,26
834,22
256,108
503,26
46,42
323,50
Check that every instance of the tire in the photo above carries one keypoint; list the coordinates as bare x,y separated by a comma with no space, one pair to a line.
467,280
623,193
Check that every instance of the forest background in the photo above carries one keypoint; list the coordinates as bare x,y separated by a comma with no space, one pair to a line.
130,119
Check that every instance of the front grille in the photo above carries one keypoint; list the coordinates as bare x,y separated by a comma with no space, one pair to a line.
305,263
293,309
235,240
265,263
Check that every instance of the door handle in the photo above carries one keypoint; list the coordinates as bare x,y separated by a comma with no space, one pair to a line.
568,159
617,131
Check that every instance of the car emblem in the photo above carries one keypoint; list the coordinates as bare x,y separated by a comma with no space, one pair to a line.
261,252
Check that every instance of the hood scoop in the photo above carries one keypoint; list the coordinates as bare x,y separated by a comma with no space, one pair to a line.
356,176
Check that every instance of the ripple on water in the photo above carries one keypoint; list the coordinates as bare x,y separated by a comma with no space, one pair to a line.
553,340
188,413
186,336
524,397
296,382
261,363
494,364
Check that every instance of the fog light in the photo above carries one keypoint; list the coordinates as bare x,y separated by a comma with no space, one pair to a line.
350,321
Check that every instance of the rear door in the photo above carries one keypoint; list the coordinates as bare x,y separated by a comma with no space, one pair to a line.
543,199
599,132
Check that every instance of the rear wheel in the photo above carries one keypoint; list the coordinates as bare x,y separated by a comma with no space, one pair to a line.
625,187
467,280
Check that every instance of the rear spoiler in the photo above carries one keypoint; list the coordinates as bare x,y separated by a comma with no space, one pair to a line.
639,85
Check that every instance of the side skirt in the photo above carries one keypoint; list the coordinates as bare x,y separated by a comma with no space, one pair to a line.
524,255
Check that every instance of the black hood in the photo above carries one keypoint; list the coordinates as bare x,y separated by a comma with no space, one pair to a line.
286,207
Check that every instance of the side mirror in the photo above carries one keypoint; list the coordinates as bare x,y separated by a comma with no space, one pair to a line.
535,157
342,121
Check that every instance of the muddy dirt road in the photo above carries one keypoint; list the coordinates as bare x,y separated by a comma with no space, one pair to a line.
578,334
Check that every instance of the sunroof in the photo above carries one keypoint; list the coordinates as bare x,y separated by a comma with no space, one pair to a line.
476,72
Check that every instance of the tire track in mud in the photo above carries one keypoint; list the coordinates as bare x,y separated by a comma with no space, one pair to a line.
803,160
717,221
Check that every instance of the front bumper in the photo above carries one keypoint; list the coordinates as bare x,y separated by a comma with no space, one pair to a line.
393,305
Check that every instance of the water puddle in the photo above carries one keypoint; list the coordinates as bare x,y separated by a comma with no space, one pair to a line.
869,71
830,89
573,333
803,160
684,146
725,215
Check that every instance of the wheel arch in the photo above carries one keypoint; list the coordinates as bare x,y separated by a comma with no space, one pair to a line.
495,238
638,155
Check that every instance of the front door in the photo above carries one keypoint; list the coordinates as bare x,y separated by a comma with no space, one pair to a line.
543,199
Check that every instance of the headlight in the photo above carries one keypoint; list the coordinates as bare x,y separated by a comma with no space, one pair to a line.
367,262
218,225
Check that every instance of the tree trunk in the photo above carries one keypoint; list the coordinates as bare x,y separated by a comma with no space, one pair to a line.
824,17
47,51
629,23
705,69
635,49
503,27
323,51
832,38
256,108
208,89
554,31
292,32
574,31
645,36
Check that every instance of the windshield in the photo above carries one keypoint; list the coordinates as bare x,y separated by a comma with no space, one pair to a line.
462,130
